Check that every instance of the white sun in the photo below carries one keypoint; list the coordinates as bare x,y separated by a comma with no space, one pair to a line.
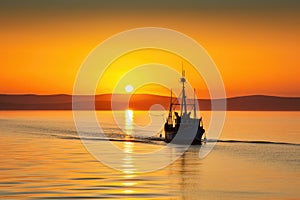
128,88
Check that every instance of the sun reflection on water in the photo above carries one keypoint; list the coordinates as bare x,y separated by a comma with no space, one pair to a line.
128,168
128,191
129,122
129,183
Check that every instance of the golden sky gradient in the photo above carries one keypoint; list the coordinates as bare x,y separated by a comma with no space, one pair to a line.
255,45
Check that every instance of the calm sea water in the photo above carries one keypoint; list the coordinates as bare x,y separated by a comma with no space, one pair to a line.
42,157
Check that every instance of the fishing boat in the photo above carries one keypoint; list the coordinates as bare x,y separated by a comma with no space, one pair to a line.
182,128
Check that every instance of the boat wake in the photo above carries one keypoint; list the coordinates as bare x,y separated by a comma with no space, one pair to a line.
115,135
159,140
254,142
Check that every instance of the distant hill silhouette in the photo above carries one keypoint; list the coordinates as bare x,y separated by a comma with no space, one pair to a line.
143,102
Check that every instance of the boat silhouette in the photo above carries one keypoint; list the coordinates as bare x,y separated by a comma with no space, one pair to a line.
182,128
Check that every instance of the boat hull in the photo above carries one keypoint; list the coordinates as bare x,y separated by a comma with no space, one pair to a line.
187,135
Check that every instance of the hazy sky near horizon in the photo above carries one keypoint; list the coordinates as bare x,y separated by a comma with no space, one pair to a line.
255,44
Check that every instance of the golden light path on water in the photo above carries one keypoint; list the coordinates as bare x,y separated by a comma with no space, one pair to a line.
128,168
129,122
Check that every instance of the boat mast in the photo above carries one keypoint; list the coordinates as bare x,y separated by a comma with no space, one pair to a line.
170,120
195,104
183,101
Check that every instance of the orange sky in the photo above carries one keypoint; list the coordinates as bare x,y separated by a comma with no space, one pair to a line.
257,52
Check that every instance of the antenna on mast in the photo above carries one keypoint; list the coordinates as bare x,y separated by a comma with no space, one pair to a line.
183,102
182,71
182,79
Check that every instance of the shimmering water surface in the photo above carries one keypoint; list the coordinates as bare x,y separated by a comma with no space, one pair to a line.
42,157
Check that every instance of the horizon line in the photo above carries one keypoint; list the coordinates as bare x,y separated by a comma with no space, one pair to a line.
63,94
